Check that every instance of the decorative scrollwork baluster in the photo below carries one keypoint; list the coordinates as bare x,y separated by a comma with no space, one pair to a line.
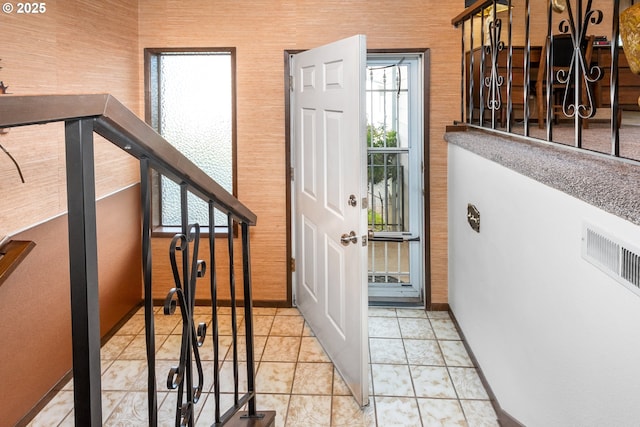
183,296
586,108
493,82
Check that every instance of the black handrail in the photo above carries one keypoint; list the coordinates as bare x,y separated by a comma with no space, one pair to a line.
103,114
123,128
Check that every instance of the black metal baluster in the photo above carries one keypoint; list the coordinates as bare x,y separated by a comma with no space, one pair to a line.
527,66
472,62
234,326
615,107
83,265
248,319
213,283
145,195
510,69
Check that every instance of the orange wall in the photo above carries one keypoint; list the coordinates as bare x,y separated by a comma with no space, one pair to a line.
76,46
261,30
35,307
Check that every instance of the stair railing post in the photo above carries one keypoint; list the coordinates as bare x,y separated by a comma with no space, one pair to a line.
83,267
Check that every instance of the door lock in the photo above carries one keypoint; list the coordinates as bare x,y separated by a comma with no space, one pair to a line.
345,239
353,202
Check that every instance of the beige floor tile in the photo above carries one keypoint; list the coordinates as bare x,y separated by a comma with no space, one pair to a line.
411,312
264,311
345,412
262,324
288,312
382,312
479,413
384,327
455,354
123,374
392,380
132,411
441,413
407,361
55,411
309,411
387,350
432,381
134,326
438,315
287,326
467,383
423,352
312,351
339,386
397,412
281,349
416,328
137,348
275,377
115,346
444,329
274,402
207,415
227,377
307,331
165,325
170,348
313,378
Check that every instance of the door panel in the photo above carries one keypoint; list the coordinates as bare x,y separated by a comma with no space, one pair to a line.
329,152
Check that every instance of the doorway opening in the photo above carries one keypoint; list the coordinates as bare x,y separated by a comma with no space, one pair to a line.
396,178
397,108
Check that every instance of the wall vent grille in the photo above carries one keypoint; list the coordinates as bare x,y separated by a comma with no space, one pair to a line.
613,256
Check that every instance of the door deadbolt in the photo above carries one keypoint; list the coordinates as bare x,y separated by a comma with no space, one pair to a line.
353,202
345,239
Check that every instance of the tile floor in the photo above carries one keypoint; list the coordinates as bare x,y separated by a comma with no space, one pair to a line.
420,371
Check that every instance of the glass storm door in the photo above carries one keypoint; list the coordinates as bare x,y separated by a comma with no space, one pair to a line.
395,176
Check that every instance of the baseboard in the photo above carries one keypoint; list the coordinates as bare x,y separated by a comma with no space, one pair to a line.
504,418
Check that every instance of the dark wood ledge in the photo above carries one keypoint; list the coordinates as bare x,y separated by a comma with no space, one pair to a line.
11,255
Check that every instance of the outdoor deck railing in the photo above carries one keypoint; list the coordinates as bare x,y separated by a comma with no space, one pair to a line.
511,77
83,115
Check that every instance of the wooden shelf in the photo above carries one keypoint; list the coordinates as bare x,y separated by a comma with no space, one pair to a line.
12,254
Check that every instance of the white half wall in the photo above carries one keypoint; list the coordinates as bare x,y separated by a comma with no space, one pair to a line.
558,340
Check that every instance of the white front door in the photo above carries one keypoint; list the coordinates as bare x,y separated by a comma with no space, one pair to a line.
330,219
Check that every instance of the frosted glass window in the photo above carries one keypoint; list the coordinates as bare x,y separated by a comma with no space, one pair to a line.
192,108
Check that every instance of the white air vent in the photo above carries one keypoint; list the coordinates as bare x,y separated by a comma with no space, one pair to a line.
613,256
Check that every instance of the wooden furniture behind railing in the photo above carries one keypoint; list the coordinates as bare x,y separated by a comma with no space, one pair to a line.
518,79
628,83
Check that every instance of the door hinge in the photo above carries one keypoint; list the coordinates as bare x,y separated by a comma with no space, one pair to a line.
292,173
293,264
292,82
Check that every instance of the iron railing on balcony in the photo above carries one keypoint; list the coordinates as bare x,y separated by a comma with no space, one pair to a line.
83,115
550,70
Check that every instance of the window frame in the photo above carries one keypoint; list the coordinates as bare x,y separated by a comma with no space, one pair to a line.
159,230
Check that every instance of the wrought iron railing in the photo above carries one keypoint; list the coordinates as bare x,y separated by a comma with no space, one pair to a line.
558,64
83,115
